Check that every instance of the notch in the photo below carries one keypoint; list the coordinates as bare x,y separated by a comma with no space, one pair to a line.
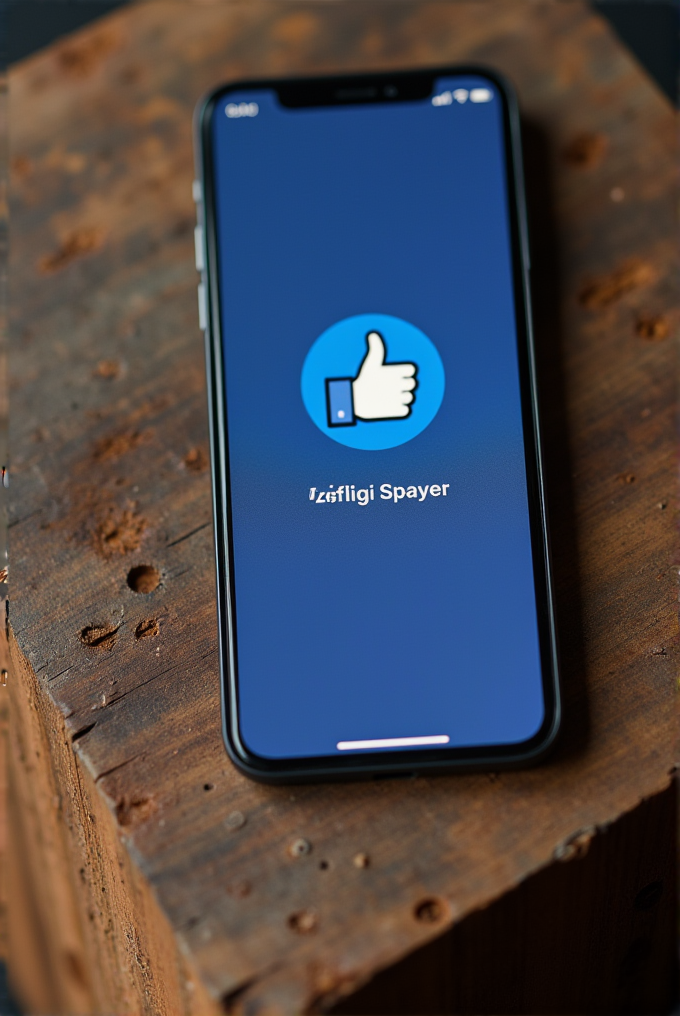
356,90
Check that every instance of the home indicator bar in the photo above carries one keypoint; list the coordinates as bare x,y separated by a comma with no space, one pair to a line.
393,742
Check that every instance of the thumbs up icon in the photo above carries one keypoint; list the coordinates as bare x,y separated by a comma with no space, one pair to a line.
380,391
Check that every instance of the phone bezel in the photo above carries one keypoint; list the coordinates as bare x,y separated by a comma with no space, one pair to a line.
320,91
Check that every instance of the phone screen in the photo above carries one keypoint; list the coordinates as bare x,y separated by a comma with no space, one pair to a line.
382,572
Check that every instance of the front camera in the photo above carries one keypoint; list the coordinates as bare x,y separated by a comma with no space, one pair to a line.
390,91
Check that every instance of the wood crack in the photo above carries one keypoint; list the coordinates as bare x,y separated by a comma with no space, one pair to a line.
61,673
81,733
113,769
187,536
131,691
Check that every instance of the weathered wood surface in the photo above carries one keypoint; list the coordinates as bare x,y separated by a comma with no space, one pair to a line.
595,935
109,446
86,935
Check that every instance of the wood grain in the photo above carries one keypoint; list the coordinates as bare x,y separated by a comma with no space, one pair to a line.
109,446
86,934
594,935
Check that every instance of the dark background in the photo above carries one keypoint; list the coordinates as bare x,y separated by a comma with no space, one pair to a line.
650,28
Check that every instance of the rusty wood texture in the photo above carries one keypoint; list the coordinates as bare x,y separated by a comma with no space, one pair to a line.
86,935
112,597
595,935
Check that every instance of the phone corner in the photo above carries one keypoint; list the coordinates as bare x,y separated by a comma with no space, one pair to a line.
507,87
495,77
548,738
243,762
204,103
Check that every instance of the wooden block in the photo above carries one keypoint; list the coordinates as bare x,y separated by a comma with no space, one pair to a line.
594,933
86,934
116,681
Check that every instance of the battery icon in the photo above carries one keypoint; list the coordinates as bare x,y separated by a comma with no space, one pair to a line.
481,95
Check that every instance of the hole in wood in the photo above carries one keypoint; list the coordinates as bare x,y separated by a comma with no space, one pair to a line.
196,460
303,922
653,327
208,786
99,636
299,848
133,809
585,150
239,888
107,369
147,628
429,911
119,533
607,289
144,578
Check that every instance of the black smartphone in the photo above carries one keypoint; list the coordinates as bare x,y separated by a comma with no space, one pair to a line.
383,576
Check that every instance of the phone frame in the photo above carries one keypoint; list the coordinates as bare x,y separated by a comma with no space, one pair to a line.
354,89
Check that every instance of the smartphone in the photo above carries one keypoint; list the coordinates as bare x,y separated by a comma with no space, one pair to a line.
383,577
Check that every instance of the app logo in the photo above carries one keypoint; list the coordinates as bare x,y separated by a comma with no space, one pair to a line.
372,381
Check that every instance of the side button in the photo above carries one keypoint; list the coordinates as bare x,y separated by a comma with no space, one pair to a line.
197,191
198,245
202,308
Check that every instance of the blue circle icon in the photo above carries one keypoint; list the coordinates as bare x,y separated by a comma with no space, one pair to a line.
372,381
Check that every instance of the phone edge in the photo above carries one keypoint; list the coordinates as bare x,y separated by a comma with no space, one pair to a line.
226,632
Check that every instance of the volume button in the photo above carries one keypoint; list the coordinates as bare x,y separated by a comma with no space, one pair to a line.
198,245
202,308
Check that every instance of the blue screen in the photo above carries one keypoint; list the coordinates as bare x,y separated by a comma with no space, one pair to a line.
382,561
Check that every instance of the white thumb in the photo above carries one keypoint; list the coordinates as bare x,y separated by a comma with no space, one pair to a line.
376,350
